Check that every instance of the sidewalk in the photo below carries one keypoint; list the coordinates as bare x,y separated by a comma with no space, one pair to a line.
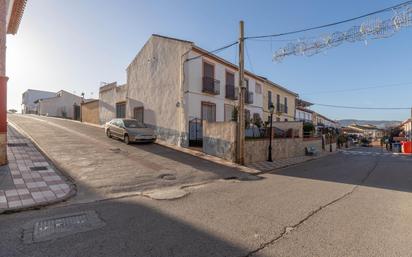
266,166
28,180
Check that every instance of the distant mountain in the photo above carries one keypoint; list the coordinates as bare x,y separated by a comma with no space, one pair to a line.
378,123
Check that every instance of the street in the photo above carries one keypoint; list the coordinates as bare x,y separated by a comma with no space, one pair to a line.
353,203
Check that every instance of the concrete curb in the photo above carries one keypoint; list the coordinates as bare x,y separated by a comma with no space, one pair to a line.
210,158
73,187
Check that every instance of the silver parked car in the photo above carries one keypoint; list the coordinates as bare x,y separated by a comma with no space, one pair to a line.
129,130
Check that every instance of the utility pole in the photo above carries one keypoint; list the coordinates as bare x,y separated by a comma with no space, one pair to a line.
240,146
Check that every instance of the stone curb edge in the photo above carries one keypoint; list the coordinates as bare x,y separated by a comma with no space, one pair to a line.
73,187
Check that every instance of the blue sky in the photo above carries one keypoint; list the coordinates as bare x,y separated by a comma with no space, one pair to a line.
73,45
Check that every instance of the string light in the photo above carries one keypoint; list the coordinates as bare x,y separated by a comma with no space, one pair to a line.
373,28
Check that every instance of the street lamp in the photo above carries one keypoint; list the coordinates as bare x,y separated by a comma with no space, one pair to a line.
271,110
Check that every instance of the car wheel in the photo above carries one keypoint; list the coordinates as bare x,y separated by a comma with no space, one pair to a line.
126,139
108,134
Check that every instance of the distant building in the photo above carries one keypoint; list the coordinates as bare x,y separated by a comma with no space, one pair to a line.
63,104
303,113
30,103
407,128
368,131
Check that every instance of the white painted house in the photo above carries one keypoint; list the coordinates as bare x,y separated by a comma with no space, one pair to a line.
63,104
30,100
172,85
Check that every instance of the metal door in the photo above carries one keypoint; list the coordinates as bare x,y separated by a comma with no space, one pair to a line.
195,132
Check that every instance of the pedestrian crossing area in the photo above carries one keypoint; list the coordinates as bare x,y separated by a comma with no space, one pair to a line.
377,154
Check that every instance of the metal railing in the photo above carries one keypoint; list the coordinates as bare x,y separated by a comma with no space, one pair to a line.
232,92
281,108
249,98
211,86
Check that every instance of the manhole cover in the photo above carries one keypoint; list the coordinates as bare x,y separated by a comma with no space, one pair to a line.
16,144
167,176
38,168
60,226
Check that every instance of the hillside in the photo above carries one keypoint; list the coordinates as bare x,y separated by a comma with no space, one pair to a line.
378,123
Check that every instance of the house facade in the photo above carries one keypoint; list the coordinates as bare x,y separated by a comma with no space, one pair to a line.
282,99
63,104
173,86
30,100
112,102
407,128
303,114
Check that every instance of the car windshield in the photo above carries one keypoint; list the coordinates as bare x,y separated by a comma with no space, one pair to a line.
133,124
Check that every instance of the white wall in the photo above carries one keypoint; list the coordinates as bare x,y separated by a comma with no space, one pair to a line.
30,96
59,105
302,115
194,94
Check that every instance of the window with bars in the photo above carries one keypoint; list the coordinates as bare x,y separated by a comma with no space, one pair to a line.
208,111
258,88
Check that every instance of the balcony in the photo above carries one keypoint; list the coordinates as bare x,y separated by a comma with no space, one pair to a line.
249,98
211,86
281,108
232,92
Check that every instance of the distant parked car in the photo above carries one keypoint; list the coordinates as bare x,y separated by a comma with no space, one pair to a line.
129,130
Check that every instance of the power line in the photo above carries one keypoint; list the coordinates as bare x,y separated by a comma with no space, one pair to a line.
358,89
363,108
214,51
250,60
332,24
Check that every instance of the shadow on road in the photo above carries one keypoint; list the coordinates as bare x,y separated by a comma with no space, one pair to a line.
132,229
385,172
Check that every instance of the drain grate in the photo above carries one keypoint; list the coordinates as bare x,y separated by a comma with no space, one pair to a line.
16,144
61,226
38,168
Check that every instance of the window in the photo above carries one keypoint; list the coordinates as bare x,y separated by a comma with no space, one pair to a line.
121,110
247,85
208,70
278,102
286,105
138,114
230,85
258,88
229,112
208,111
133,124
269,99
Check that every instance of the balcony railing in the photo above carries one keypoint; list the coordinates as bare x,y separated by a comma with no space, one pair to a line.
281,108
249,98
211,86
232,92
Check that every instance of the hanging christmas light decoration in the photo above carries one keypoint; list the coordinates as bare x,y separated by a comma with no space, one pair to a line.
371,29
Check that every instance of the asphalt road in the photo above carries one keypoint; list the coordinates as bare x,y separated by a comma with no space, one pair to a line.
355,203
105,168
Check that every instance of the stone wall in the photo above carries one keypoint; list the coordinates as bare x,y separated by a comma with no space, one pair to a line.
90,112
256,150
219,139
